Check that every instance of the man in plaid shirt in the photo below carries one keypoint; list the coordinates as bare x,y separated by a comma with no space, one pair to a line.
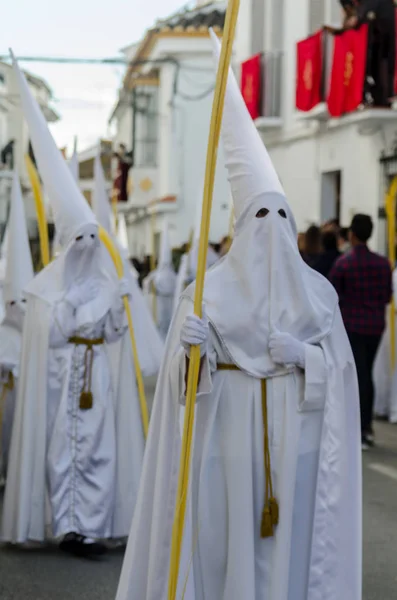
363,281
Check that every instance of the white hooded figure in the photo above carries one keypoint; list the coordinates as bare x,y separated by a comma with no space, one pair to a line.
19,273
161,282
385,380
3,266
149,343
188,266
277,422
69,435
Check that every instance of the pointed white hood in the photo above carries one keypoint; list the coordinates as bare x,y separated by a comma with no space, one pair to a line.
251,172
19,269
122,235
100,200
74,166
262,285
164,275
165,258
212,256
3,254
83,257
70,209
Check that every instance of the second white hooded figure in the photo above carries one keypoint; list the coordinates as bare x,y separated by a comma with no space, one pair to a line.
18,274
66,440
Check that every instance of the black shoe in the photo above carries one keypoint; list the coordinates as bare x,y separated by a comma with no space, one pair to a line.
77,545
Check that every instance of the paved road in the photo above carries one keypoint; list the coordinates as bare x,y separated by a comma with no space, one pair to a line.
50,575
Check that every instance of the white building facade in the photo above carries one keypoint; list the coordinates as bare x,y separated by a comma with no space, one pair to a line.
330,168
163,118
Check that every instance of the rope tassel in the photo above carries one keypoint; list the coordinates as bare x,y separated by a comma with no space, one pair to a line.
270,515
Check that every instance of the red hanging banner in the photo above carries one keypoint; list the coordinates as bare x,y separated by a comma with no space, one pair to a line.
251,84
348,71
309,56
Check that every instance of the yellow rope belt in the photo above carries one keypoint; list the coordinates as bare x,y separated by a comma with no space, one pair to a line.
86,397
270,514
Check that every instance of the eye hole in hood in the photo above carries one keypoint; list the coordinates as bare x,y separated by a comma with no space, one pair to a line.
262,213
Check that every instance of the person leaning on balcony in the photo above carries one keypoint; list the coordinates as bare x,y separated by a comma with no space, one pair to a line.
380,14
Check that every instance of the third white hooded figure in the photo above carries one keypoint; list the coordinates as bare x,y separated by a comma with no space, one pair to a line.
162,282
274,508
188,265
149,343
66,444
385,379
19,273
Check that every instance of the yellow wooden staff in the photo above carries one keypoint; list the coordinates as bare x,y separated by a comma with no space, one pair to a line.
118,263
40,211
391,227
194,364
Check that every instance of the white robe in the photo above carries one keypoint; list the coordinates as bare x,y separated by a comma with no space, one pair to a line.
316,462
10,349
163,281
87,463
385,380
81,455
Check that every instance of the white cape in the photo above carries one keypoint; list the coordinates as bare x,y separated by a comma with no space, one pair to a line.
334,557
25,514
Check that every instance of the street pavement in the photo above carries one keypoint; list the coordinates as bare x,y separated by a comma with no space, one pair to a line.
47,574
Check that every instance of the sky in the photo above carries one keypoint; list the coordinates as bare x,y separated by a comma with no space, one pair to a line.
84,95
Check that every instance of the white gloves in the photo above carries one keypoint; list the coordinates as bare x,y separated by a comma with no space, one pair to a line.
82,294
286,350
195,332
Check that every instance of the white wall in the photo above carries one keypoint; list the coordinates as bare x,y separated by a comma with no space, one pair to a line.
183,137
300,166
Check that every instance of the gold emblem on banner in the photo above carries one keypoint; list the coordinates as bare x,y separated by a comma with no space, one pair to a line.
308,75
248,91
349,67
146,184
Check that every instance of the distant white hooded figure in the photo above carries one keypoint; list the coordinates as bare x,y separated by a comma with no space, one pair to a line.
274,506
149,343
19,273
161,282
385,380
188,266
69,437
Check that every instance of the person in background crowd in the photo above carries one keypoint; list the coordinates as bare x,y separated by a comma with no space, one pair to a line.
363,281
312,245
329,254
343,240
331,225
301,243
